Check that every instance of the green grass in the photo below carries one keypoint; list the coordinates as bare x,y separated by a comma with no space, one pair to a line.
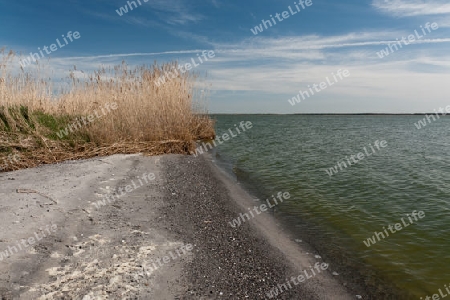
53,123
18,120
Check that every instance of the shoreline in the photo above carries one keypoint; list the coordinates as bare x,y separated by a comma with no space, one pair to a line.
111,250
357,276
262,232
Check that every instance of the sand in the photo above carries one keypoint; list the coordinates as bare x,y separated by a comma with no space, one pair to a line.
167,238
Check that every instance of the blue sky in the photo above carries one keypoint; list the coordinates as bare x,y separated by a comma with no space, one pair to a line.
256,73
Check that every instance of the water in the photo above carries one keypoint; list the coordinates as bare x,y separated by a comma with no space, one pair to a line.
337,213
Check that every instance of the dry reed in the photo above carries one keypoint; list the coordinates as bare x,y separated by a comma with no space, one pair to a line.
149,118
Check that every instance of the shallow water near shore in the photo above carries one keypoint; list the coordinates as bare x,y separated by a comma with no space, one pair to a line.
337,213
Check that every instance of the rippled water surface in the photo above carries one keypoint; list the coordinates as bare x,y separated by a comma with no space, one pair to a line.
337,213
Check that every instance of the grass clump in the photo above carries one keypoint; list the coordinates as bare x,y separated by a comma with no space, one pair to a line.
121,109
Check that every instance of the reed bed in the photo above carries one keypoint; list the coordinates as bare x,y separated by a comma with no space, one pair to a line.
112,110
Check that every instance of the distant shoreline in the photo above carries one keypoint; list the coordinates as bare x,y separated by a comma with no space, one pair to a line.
328,114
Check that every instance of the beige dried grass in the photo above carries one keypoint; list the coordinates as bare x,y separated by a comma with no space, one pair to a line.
149,118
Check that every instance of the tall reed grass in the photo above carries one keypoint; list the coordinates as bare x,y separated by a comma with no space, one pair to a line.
149,118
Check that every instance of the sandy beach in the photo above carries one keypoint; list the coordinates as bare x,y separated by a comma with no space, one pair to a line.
166,235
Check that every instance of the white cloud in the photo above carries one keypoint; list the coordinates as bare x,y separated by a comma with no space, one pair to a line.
411,8
282,66
172,12
444,22
311,46
175,11
120,55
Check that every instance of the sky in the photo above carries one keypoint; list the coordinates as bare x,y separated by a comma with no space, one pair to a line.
257,70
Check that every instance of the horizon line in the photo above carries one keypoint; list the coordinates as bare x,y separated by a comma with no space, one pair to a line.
344,114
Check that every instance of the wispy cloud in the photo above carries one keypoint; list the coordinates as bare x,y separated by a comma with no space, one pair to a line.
171,12
175,11
216,3
130,54
59,66
313,46
403,8
282,66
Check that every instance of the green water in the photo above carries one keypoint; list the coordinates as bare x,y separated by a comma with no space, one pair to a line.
337,213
